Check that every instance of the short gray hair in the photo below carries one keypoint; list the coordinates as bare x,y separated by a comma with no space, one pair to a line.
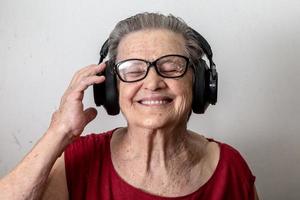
147,20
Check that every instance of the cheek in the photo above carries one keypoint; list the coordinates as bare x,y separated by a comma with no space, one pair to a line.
187,86
125,97
185,101
126,93
185,96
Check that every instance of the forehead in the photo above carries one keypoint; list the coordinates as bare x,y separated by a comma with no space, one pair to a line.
150,44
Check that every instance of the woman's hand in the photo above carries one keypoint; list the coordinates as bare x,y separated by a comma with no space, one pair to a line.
71,117
28,179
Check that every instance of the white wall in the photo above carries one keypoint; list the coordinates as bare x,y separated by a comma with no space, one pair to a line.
256,46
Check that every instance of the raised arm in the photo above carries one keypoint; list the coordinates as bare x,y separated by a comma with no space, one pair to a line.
30,177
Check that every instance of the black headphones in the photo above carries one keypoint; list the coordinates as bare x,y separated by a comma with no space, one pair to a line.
205,86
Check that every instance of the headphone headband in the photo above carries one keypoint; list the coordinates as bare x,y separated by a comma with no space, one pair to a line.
103,51
204,89
202,43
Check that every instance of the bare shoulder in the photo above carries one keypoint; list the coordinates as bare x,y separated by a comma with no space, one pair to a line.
210,150
211,156
56,186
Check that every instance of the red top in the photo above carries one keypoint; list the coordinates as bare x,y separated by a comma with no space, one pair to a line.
91,175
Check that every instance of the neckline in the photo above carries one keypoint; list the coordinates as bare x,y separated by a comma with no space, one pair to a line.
146,194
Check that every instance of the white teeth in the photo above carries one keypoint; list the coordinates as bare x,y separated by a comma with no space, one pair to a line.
160,102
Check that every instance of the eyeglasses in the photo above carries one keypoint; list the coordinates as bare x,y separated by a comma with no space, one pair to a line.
168,66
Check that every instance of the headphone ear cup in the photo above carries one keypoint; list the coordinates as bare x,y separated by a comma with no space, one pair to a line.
111,103
213,88
200,92
106,93
99,93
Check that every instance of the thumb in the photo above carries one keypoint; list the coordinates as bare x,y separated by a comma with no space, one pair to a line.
90,114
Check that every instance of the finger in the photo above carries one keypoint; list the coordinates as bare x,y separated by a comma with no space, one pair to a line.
90,114
88,81
89,67
80,71
88,71
76,92
92,70
77,79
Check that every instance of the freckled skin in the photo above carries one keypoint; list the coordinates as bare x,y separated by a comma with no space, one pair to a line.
165,155
150,45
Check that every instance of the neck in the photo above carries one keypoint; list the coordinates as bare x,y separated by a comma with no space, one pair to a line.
166,150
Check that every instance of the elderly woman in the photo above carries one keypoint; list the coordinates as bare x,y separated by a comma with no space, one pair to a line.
154,59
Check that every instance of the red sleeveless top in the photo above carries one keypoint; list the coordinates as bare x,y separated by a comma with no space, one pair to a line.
91,175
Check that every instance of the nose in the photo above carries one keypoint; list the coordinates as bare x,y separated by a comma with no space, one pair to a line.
153,81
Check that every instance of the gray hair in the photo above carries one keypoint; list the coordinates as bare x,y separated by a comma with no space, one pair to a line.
146,20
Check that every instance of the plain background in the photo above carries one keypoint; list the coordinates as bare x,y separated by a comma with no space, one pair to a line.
256,47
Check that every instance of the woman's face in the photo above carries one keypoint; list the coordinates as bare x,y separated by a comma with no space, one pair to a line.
154,102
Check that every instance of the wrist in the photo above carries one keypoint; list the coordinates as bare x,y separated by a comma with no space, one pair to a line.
58,136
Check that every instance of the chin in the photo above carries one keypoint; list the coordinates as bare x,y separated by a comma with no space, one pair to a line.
152,124
153,117
155,122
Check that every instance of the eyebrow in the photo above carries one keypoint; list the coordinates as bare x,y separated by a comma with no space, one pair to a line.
151,61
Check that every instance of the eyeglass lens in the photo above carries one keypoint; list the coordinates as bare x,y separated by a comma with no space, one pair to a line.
169,66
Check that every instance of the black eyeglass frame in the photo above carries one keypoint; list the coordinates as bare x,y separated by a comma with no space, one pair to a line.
150,64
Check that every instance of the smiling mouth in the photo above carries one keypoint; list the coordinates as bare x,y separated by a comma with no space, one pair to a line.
155,102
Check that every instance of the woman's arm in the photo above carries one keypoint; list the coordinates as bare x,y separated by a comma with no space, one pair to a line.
56,186
29,179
